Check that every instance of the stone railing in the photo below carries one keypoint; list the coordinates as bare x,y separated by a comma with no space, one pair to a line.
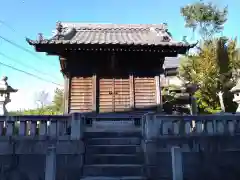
156,126
54,126
70,126
33,125
28,139
153,125
187,147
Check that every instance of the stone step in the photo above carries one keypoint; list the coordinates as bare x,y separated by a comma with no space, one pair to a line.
113,149
114,159
113,170
112,134
114,141
113,178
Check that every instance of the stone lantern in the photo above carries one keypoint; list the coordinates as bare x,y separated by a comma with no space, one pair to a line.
191,89
236,91
5,91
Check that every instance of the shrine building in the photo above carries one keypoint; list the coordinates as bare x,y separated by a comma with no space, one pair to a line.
111,67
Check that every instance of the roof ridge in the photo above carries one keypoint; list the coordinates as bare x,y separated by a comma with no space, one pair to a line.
112,26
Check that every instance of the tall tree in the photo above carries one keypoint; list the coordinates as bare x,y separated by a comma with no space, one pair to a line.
214,70
58,100
216,64
206,18
225,81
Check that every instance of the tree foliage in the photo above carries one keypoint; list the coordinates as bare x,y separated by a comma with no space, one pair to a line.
215,65
58,101
207,18
214,69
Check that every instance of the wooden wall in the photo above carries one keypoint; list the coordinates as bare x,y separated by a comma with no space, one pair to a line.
100,94
144,91
102,82
82,95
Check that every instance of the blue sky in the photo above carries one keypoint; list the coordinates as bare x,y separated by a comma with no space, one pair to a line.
29,17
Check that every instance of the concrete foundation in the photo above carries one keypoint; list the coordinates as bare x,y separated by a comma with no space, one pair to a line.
26,160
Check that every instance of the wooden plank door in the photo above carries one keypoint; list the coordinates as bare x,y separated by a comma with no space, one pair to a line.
121,94
106,95
144,92
114,94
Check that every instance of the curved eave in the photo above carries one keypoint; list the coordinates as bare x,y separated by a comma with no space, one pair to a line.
9,90
45,44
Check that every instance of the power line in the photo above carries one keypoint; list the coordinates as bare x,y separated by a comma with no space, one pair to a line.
17,45
20,47
30,74
24,49
15,60
7,25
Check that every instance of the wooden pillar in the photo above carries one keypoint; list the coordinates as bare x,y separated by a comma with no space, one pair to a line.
131,85
94,93
66,94
158,93
97,93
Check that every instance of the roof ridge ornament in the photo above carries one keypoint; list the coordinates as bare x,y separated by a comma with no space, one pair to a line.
165,26
40,37
59,28
163,34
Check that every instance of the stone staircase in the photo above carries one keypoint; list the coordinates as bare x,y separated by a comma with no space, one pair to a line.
113,155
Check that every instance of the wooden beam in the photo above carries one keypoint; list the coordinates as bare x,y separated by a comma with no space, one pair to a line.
94,93
63,63
158,92
97,93
113,62
131,85
66,94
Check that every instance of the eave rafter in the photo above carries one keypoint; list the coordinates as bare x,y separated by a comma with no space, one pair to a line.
55,48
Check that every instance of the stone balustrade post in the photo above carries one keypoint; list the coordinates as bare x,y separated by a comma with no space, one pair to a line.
152,126
77,126
50,167
177,169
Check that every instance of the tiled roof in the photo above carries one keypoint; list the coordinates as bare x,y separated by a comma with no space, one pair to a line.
123,34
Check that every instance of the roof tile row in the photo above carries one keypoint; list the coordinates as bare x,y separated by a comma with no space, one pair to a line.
122,34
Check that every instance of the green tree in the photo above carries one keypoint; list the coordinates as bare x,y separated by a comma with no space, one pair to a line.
215,65
58,100
226,80
214,69
206,18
